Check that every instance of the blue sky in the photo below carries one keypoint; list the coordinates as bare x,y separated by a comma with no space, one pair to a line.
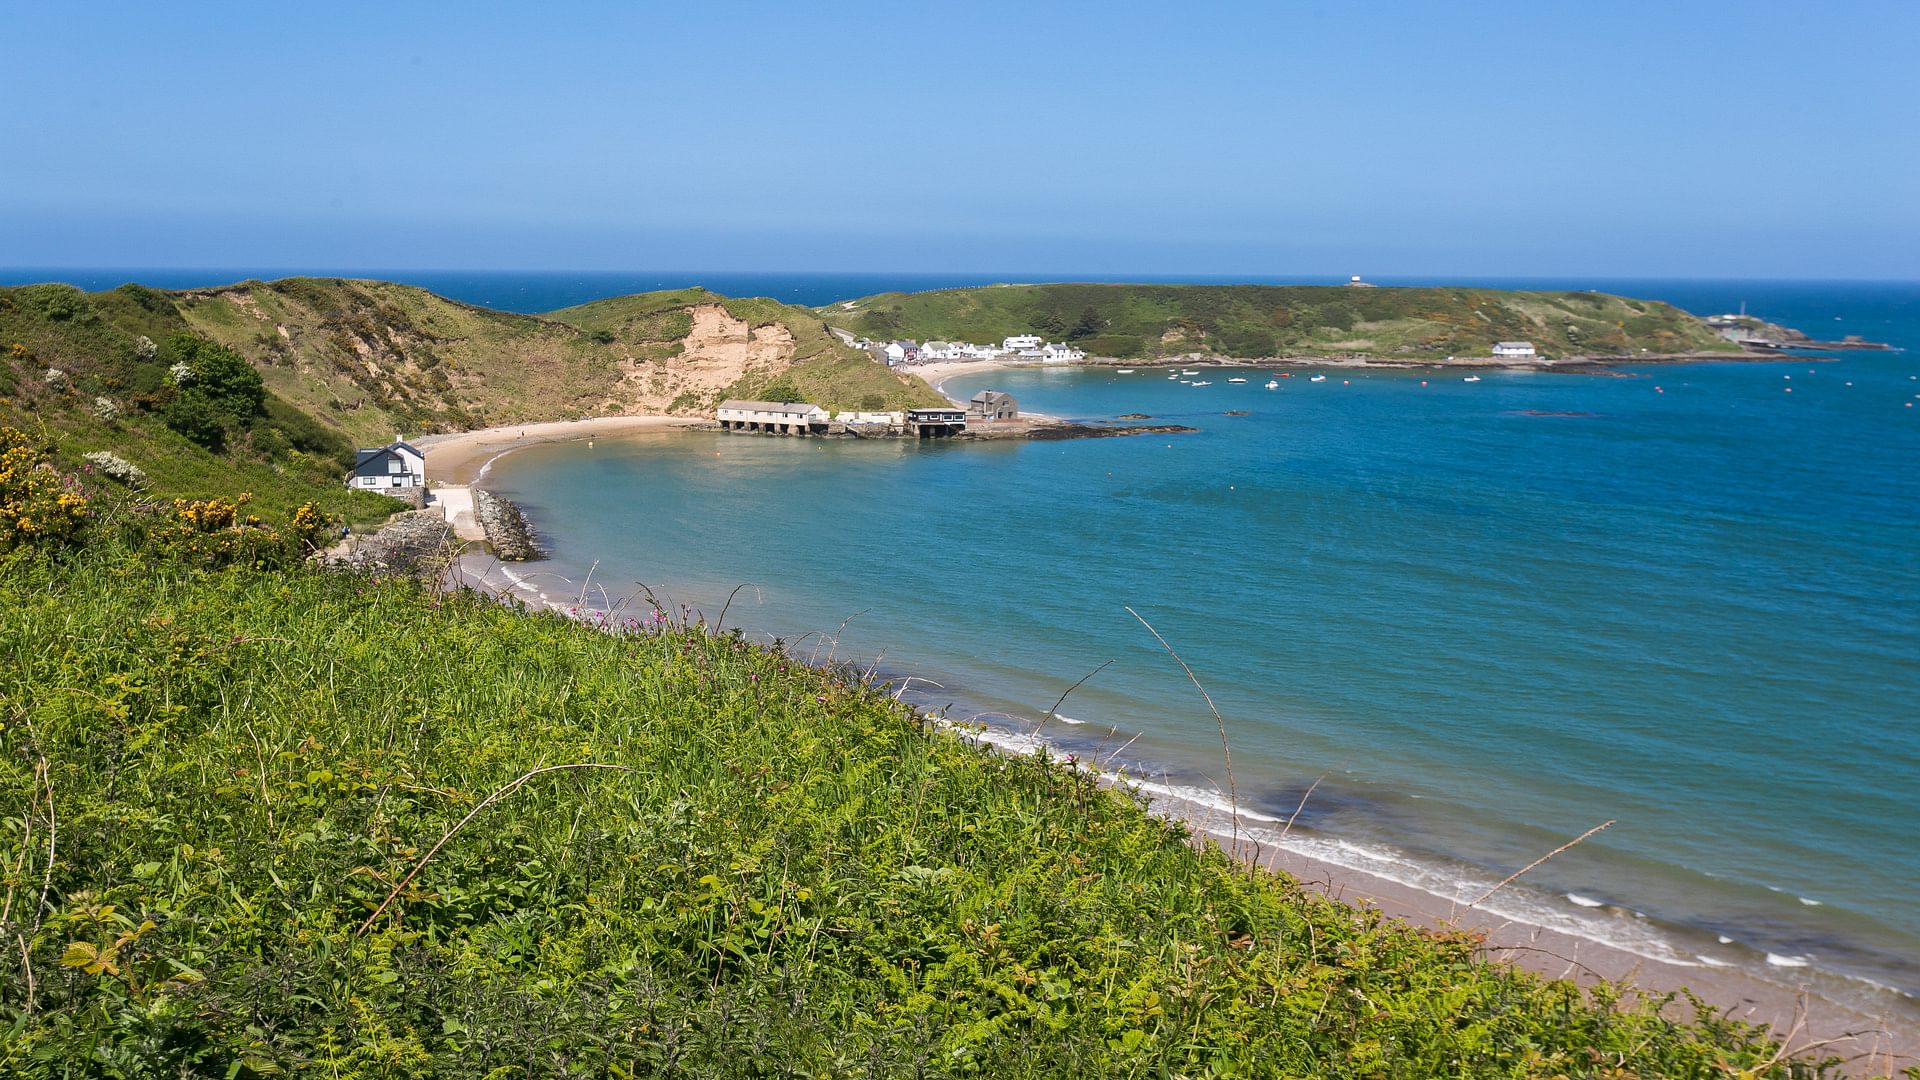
1623,139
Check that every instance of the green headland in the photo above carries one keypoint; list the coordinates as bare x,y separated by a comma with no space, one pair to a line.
1423,325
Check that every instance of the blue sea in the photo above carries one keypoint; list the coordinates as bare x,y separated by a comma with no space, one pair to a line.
1483,617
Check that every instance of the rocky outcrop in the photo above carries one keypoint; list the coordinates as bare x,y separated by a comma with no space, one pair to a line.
506,527
416,542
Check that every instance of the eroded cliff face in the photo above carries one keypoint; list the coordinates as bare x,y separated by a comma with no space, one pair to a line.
719,351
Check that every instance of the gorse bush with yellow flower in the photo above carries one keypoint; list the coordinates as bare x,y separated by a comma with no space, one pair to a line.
39,508
45,510
217,532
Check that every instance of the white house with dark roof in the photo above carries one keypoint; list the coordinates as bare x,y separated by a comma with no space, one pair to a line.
396,466
1513,350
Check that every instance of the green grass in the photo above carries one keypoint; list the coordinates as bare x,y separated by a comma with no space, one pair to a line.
784,873
287,458
1250,321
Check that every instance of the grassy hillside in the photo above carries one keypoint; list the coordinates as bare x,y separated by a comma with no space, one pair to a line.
110,391
373,358
370,359
278,821
1256,321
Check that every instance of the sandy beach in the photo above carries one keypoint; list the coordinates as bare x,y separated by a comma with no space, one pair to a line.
937,373
458,458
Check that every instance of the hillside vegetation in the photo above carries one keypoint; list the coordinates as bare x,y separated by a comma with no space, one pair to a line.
1262,321
367,360
104,374
266,820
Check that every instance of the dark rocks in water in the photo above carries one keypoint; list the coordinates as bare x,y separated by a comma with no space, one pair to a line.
506,527
1134,416
1235,412
1548,412
1106,431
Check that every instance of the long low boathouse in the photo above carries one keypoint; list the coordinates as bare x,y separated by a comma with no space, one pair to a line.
776,417
936,423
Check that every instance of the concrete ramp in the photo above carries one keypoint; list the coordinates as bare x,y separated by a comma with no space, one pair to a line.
456,502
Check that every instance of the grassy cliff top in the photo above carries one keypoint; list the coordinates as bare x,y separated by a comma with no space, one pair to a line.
279,821
1258,321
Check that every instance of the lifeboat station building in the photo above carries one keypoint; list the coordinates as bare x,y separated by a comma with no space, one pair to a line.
936,423
776,417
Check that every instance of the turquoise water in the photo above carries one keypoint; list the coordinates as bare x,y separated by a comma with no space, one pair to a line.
1491,615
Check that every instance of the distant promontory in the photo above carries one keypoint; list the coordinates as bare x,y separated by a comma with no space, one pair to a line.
1260,322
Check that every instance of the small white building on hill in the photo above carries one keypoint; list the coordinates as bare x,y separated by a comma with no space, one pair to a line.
1514,350
396,466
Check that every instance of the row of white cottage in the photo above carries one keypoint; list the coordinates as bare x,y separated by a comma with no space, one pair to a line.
1017,347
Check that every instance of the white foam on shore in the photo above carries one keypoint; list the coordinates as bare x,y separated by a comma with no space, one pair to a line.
1786,961
520,583
1586,901
1455,885
1207,797
1811,902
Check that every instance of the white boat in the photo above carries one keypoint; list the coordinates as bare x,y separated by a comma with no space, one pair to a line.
1273,384
1236,378
1318,378
1175,375
1471,378
1184,371
1202,382
1123,371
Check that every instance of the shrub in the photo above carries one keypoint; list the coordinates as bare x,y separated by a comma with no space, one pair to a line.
38,507
111,464
195,417
214,533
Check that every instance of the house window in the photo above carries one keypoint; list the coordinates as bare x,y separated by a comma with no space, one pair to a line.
395,465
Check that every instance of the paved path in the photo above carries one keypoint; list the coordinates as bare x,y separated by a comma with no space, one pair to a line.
456,502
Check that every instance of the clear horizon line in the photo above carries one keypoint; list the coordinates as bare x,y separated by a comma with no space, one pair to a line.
1051,277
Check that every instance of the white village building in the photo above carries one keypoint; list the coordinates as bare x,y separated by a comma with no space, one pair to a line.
1513,350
